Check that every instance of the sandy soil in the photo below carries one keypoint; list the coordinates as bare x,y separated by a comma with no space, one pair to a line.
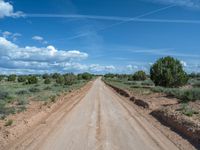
98,120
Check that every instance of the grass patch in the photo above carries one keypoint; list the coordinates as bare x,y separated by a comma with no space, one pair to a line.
186,110
182,94
137,87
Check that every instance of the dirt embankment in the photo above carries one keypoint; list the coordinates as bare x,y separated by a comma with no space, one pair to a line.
36,114
166,110
120,91
186,126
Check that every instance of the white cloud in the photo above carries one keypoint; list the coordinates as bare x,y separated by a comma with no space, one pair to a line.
99,68
6,10
10,35
38,38
183,63
131,68
47,58
6,34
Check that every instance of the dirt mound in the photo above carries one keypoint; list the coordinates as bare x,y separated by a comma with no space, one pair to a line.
122,92
185,122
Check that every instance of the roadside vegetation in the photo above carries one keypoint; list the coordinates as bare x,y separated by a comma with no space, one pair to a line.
16,91
166,76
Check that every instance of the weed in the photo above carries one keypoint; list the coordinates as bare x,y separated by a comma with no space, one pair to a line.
8,122
53,98
34,90
186,110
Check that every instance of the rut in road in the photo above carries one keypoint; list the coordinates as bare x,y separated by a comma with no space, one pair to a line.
99,120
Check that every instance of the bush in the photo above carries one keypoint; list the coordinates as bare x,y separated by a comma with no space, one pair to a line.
45,76
85,76
69,79
188,111
9,122
22,101
53,98
184,95
47,81
139,76
21,78
34,90
12,77
56,75
48,88
22,92
32,80
1,77
147,83
4,95
168,72
109,75
60,80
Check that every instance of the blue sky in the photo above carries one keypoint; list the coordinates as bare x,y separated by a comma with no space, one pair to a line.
120,36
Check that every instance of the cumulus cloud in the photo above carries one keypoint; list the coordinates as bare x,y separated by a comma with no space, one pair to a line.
131,67
6,34
31,59
10,35
99,68
13,56
39,39
7,10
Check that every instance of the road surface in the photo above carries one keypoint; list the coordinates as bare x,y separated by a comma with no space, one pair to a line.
96,120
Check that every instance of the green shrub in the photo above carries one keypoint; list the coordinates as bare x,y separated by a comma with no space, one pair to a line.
1,77
47,81
109,75
196,84
139,76
34,90
9,122
22,92
22,101
184,95
12,77
22,78
48,88
56,75
168,72
53,98
147,83
32,80
85,76
188,111
4,95
69,79
60,80
45,76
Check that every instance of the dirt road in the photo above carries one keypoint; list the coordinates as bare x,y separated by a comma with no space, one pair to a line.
100,120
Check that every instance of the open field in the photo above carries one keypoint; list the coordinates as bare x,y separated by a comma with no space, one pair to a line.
16,95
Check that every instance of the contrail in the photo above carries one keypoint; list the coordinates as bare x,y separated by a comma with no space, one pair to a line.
113,18
122,20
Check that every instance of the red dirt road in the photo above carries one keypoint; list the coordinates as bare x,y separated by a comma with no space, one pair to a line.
99,120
